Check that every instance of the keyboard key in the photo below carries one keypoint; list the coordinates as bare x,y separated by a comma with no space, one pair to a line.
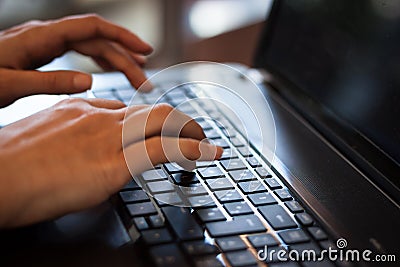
237,142
134,196
203,164
233,164
219,184
228,154
311,246
141,209
238,208
229,132
220,142
228,196
259,199
160,187
184,178
223,124
156,221
207,262
263,172
252,187
140,223
317,233
304,218
196,248
201,201
156,236
154,175
168,256
283,194
245,151
253,162
211,172
277,217
183,223
272,183
171,198
125,93
326,244
242,175
294,206
204,124
132,185
210,215
237,226
261,240
194,190
230,243
240,258
294,236
172,168
212,134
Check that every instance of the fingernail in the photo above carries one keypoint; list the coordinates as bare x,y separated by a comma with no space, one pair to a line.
82,81
146,87
150,48
209,151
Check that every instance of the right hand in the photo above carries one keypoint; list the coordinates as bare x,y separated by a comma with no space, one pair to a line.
70,157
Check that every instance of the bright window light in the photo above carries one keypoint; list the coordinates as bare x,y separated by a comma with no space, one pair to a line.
208,18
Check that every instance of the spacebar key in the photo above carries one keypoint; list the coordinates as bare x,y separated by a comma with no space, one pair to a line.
237,226
183,223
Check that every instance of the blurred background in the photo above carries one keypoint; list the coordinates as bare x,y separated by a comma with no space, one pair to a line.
179,30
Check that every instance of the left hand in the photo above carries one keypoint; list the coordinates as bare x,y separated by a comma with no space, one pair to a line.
28,46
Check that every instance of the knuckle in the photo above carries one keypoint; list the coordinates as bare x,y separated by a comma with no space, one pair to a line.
98,115
73,107
94,19
163,109
72,101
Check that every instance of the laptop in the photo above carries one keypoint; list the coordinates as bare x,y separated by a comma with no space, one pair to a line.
329,196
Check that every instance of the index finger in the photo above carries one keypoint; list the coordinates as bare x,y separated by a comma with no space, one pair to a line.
70,29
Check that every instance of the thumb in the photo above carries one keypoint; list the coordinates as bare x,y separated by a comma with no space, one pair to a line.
22,82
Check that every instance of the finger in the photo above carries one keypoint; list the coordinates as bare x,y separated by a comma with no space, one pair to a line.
103,64
160,119
139,59
156,150
84,27
105,103
22,83
115,56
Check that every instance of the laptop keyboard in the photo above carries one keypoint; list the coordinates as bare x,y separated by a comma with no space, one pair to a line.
238,205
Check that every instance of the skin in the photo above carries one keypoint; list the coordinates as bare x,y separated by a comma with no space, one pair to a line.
71,156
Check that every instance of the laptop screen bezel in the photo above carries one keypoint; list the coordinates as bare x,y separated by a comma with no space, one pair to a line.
368,157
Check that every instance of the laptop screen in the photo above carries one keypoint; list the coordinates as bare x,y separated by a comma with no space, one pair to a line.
345,55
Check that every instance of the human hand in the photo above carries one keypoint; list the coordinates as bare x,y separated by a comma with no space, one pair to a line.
70,157
28,46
